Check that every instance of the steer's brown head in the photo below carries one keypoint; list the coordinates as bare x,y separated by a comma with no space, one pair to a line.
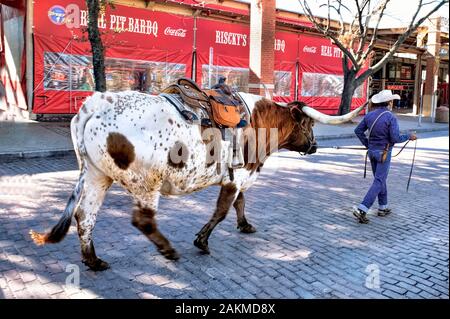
301,136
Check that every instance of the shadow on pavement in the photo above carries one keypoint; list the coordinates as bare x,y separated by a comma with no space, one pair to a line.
307,245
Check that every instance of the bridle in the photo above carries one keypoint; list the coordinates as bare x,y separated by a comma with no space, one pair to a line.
310,142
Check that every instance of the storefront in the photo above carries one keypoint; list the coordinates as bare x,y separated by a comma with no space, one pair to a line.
148,49
145,51
222,49
286,66
400,80
321,75
12,58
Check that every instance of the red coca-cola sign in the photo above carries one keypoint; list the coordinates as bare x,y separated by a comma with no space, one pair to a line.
309,49
175,32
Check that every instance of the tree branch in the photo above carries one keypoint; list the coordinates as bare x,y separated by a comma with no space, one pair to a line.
328,33
359,14
363,38
381,8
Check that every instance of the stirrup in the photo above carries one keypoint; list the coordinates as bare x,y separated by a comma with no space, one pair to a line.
236,165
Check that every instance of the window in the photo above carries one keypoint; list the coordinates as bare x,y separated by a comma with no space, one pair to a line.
75,72
237,78
406,72
282,80
392,72
325,85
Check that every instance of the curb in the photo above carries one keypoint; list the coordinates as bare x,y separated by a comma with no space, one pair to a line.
6,157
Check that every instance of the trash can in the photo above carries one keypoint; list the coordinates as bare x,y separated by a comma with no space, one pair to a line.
442,114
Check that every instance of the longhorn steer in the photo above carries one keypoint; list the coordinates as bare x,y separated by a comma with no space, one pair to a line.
132,139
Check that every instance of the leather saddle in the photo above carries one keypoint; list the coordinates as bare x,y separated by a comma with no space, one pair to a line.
189,92
211,108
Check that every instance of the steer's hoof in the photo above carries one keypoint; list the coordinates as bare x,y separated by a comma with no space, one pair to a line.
202,245
170,254
247,229
96,265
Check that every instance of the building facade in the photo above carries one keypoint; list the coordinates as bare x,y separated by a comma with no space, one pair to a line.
47,68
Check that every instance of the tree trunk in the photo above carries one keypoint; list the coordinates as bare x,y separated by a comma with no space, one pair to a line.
346,99
349,87
98,59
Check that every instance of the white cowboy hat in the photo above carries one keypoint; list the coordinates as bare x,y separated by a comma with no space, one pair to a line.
384,96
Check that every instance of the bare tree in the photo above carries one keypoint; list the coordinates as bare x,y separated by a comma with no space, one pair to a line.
98,50
357,39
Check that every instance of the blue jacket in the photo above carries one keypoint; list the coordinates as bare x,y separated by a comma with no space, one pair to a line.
385,131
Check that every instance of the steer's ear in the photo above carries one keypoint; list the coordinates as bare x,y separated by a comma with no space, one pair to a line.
296,110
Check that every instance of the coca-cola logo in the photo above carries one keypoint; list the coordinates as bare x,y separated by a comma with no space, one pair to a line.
308,49
175,32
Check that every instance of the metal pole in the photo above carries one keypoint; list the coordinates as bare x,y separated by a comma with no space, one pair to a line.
433,107
29,55
417,83
421,104
194,51
296,81
211,57
70,79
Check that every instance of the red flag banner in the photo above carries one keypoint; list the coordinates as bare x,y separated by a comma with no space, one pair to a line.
144,51
321,78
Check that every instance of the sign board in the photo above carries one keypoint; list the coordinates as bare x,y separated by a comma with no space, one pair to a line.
395,87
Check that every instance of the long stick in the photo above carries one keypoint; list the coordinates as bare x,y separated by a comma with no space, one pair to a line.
412,165
348,148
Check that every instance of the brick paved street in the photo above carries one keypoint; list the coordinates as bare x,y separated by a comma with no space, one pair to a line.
308,244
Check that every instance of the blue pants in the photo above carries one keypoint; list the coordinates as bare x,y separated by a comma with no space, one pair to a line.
378,188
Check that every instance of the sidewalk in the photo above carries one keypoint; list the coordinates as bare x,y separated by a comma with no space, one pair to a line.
45,139
406,123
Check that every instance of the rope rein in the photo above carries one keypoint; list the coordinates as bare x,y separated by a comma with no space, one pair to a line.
403,147
412,163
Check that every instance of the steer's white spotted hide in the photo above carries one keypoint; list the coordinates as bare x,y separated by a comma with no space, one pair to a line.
140,131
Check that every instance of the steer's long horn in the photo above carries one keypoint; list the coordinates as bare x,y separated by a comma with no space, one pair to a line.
329,119
267,92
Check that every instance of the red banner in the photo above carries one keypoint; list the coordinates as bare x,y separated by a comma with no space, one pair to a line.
145,51
286,53
223,49
321,79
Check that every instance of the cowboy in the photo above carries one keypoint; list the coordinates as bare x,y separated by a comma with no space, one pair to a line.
221,85
383,134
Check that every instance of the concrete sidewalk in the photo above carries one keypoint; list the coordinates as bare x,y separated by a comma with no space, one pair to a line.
407,123
44,139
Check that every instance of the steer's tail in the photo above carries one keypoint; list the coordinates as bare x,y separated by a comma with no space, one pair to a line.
59,231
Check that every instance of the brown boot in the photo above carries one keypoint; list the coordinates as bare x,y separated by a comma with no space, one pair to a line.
360,215
384,212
